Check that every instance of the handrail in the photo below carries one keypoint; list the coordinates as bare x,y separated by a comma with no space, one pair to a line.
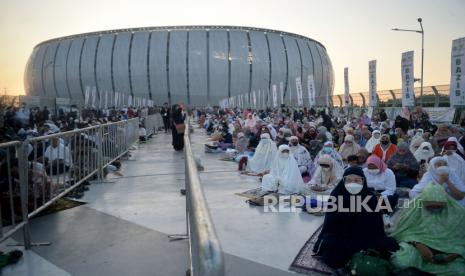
206,256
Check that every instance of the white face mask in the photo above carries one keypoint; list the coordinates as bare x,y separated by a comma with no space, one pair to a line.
353,188
285,155
326,169
443,170
265,141
373,171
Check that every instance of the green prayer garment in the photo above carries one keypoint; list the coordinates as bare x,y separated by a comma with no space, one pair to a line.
444,232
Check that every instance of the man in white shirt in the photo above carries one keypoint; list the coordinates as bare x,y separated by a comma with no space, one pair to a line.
57,157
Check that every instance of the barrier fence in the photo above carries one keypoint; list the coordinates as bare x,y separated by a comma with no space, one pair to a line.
206,256
37,172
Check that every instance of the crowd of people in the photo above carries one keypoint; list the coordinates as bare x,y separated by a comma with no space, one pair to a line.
60,161
308,151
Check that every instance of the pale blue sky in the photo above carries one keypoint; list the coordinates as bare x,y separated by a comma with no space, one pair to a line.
353,31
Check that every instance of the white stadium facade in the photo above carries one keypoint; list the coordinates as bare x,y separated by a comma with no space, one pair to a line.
194,65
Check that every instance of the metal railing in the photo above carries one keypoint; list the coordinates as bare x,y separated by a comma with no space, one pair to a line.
42,170
206,256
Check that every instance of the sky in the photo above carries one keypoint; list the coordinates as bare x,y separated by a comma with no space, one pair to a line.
353,32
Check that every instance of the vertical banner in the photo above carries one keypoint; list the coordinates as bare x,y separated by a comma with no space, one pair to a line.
311,91
281,90
129,100
275,95
87,96
346,87
407,79
290,95
457,80
298,88
372,99
259,103
94,96
254,99
116,100
106,99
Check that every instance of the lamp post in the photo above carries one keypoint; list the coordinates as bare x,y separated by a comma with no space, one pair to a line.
422,32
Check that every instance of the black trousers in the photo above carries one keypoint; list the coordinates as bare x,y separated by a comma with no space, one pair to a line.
166,123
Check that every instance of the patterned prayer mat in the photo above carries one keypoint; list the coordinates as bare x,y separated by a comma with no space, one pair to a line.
305,263
254,193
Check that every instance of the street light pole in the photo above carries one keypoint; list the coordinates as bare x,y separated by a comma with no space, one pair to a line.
422,32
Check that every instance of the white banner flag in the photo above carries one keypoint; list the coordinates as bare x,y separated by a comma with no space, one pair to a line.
94,96
346,87
116,99
129,100
408,97
298,86
254,100
457,80
106,99
281,90
275,95
87,96
290,95
311,91
372,98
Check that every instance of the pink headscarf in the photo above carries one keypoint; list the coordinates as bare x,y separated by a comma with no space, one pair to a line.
375,160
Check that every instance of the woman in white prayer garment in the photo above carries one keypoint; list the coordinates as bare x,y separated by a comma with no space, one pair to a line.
440,173
374,140
326,175
264,155
284,175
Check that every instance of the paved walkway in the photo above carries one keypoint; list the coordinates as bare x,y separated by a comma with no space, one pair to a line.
123,229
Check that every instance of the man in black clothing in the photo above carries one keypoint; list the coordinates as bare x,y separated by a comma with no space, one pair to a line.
165,114
45,114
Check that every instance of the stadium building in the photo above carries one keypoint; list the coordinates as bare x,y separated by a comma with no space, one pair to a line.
196,65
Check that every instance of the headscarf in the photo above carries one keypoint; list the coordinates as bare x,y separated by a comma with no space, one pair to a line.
406,159
433,171
442,232
314,148
287,171
378,162
421,154
370,145
417,139
264,154
241,143
455,161
457,144
347,150
389,139
325,178
364,229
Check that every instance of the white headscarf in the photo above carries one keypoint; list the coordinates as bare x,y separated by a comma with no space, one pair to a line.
347,150
370,145
456,165
264,155
421,154
433,171
459,146
286,171
324,178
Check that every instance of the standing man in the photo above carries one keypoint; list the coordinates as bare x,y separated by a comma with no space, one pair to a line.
165,114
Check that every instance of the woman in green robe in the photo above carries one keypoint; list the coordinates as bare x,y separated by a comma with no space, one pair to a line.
431,234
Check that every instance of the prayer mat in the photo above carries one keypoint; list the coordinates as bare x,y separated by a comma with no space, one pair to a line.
60,205
305,263
254,193
250,173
